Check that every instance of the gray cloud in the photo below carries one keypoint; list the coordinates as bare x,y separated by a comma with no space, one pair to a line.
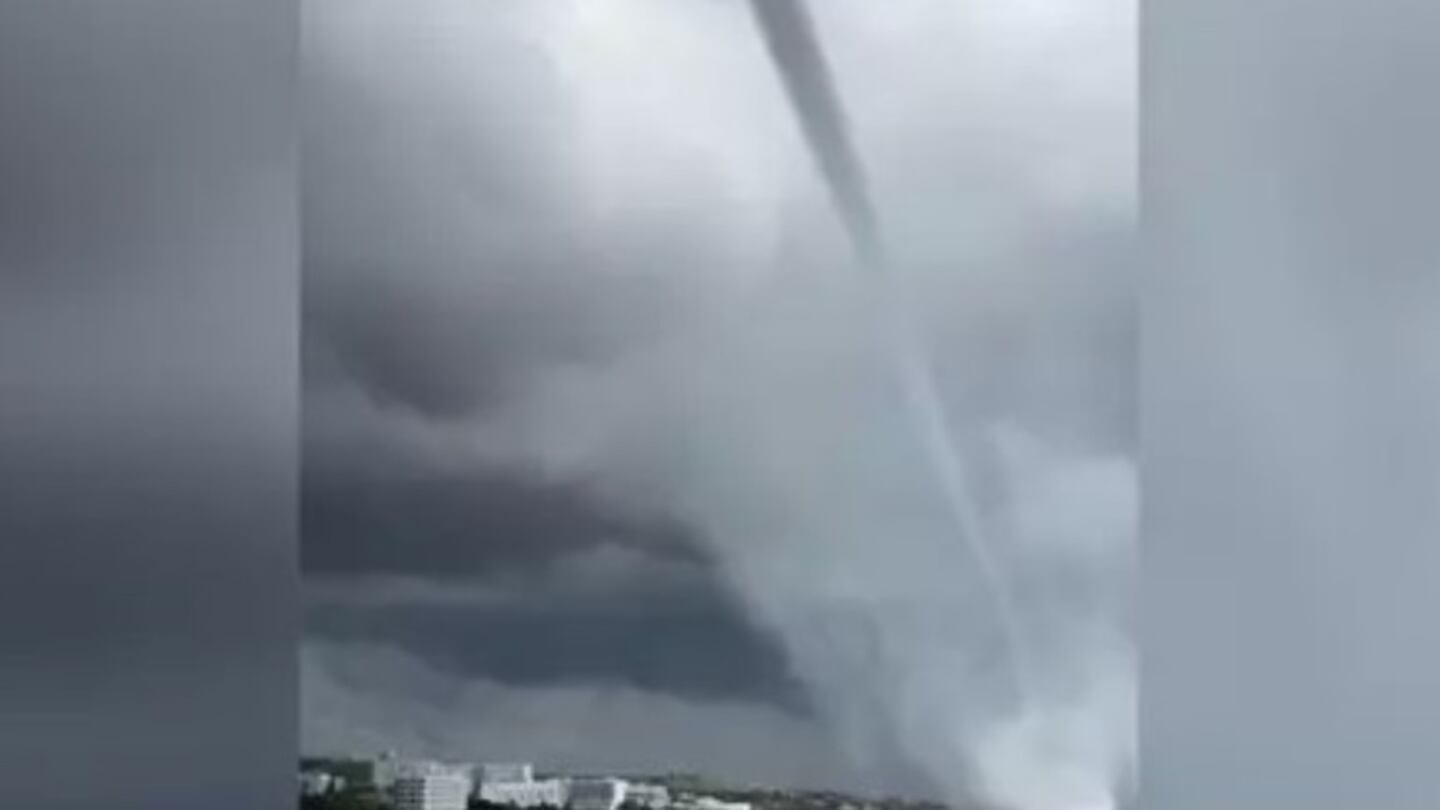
696,645
361,698
458,524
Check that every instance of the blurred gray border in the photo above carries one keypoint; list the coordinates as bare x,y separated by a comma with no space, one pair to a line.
148,404
1290,403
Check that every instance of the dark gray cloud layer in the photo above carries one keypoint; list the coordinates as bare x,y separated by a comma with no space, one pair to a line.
658,619
447,266
462,524
451,348
703,650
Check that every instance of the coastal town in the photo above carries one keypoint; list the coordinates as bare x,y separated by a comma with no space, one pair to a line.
392,782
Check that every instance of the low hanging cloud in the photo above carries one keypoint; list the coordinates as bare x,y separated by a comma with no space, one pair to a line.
363,699
604,617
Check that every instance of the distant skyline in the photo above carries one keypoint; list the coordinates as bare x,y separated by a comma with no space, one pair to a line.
695,780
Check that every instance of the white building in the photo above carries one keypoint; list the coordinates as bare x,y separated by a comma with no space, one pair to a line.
597,794
508,772
534,793
653,797
318,783
515,784
430,786
385,768
711,803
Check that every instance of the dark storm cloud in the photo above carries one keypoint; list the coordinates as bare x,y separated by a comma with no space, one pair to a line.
448,264
658,622
446,257
459,524
449,342
695,645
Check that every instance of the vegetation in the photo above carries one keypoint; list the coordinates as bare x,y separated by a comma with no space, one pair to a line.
349,799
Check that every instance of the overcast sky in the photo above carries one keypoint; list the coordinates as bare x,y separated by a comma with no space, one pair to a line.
603,465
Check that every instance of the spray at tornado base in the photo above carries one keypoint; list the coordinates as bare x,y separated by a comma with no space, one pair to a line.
795,50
